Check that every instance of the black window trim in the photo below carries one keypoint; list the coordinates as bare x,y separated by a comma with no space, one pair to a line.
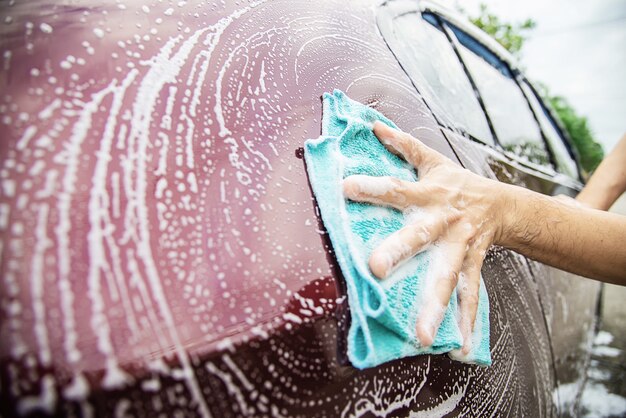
401,8
446,16
451,41
514,72
518,78
556,122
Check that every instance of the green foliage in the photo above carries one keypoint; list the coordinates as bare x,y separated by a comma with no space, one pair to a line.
512,37
589,151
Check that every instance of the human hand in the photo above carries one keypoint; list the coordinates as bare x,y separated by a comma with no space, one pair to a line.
450,208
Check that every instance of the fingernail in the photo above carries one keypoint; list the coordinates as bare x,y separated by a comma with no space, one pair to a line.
426,334
350,188
386,131
466,331
380,264
390,140
431,332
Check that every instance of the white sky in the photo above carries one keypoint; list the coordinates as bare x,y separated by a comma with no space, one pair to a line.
578,49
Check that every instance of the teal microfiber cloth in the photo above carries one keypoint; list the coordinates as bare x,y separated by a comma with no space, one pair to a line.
383,312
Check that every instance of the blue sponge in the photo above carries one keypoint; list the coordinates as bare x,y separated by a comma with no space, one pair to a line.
383,312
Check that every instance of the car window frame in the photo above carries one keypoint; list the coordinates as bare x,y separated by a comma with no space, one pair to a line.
386,15
519,78
494,143
556,124
551,167
446,17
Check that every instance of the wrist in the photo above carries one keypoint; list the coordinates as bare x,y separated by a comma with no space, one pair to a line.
515,229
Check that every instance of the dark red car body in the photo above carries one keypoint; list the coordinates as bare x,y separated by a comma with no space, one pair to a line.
161,252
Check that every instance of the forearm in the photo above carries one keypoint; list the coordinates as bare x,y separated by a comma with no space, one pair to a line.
583,241
608,181
603,188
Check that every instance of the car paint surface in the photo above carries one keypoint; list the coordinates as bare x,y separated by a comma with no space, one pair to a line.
161,250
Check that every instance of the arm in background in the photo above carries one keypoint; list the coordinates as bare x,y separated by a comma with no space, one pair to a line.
608,182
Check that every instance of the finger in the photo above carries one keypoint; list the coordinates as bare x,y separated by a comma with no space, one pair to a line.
404,244
442,280
387,191
406,146
467,294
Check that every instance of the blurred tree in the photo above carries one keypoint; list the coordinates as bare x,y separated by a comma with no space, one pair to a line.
590,152
512,37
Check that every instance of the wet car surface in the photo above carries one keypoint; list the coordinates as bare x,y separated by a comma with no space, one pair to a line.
161,251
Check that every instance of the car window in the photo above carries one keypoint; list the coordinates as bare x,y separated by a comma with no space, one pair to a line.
511,117
565,162
427,56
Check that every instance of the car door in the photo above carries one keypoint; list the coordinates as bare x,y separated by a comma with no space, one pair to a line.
544,164
520,338
531,151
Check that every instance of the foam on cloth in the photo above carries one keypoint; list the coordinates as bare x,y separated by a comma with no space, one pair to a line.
383,312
